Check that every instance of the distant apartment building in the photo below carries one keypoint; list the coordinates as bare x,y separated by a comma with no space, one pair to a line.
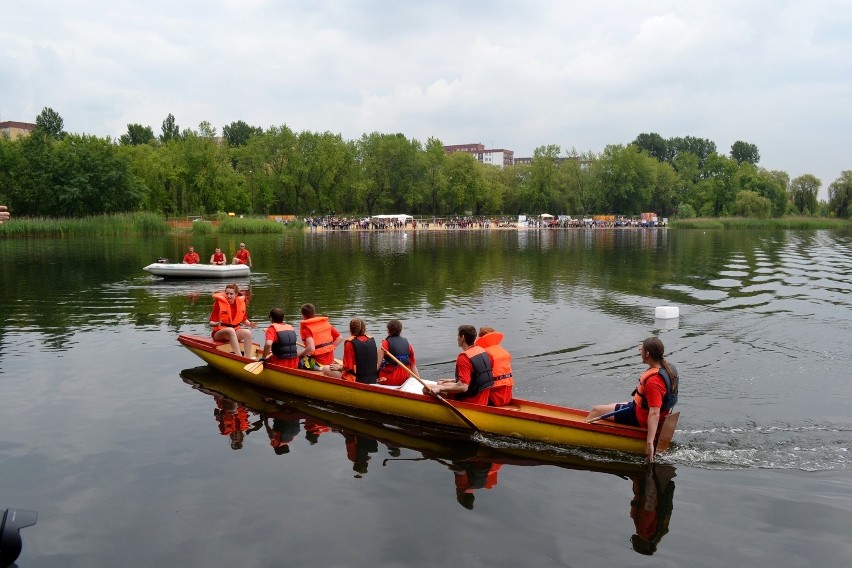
11,129
494,157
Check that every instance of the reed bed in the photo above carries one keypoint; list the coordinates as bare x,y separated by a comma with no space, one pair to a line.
806,223
116,225
235,225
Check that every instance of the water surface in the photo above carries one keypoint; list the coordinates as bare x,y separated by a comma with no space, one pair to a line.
114,434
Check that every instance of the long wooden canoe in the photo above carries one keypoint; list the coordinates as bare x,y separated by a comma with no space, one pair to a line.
522,419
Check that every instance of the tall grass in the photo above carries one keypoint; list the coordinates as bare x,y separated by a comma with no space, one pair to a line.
235,225
200,228
120,224
751,223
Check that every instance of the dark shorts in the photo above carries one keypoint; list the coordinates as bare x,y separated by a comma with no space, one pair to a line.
628,417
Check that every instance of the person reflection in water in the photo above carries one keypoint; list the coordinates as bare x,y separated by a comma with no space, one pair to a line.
651,507
473,475
314,429
233,421
358,450
282,431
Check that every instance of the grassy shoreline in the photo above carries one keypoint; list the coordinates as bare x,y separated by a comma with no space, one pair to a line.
150,224
741,223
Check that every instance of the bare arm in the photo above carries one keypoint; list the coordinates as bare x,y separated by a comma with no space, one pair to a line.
653,422
309,347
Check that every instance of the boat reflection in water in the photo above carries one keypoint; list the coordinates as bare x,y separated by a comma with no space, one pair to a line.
475,466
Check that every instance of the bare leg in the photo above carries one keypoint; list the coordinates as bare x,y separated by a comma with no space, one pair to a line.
245,335
600,410
228,334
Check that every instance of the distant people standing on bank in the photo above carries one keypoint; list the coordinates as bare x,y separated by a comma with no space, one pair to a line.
501,366
218,257
361,356
227,318
280,344
4,213
473,371
191,257
391,374
243,256
653,398
319,336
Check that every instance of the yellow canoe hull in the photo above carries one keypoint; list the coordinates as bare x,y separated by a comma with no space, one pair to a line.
522,419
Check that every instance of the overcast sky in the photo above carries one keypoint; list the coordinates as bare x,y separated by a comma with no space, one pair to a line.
514,75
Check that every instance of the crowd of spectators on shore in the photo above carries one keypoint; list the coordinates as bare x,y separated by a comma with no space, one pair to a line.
341,223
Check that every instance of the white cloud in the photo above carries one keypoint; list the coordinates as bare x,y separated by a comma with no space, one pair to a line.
511,75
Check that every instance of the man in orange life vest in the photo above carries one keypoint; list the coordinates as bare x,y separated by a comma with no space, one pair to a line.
318,335
473,371
501,366
280,344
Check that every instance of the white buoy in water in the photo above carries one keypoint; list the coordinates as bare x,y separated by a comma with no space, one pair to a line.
666,312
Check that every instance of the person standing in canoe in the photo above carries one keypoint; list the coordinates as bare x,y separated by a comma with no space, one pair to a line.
228,317
319,336
361,357
280,341
501,366
218,257
473,371
390,373
653,398
243,256
191,257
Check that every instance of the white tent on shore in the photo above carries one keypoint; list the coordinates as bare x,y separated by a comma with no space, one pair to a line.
402,218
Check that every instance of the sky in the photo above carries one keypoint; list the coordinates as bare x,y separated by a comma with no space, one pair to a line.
511,75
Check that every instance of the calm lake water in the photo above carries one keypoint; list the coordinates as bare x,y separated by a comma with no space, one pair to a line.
134,454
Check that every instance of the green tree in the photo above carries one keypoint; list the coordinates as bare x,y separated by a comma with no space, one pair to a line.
743,152
388,170
328,167
136,135
803,193
50,122
434,180
840,195
701,147
171,131
626,178
465,183
206,130
717,189
750,204
654,145
238,133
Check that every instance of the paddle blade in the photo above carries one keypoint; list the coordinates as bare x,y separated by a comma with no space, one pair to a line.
255,367
667,430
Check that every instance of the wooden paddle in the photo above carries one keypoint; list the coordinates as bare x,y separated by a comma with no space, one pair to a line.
455,410
608,414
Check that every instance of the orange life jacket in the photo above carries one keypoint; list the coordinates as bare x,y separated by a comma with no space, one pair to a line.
321,332
228,316
639,392
501,360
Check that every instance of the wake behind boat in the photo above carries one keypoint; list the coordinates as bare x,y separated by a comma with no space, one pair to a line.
521,419
179,270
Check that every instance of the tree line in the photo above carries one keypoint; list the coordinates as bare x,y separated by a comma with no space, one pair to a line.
251,170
